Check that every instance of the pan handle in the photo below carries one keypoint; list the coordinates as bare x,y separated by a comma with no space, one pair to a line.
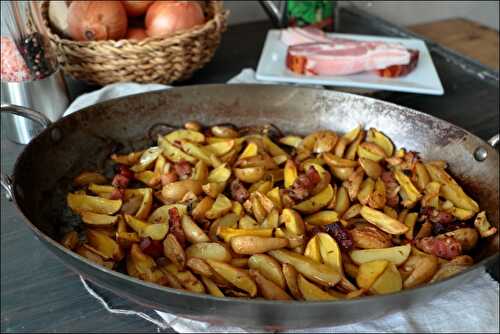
40,118
493,141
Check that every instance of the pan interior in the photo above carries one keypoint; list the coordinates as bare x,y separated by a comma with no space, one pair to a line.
45,169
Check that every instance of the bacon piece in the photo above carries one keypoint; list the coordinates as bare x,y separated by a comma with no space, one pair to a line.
151,247
447,247
117,193
304,184
183,169
125,171
238,191
341,236
120,181
436,216
168,178
391,188
176,227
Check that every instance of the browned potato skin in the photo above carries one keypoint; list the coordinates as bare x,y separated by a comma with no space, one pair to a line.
263,239
267,288
368,237
248,245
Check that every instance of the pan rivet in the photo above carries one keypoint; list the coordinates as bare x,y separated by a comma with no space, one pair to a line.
480,154
55,135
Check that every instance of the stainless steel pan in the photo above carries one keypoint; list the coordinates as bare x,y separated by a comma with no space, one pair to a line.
82,140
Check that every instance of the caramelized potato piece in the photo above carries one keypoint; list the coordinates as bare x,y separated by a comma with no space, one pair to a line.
383,221
317,272
238,277
105,245
209,251
396,255
98,219
316,202
268,288
248,244
79,203
369,272
310,291
450,189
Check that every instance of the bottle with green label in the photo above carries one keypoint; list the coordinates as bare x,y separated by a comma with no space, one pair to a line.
316,13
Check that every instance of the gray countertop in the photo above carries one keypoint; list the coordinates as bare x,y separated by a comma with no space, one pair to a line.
39,294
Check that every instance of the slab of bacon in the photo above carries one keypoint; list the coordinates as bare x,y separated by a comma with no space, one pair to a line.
312,52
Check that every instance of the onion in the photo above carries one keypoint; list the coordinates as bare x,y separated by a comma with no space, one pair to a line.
136,33
136,8
97,20
166,17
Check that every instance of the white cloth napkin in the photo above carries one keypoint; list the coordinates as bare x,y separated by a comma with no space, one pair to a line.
473,308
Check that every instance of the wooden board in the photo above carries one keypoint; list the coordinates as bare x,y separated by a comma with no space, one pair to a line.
469,38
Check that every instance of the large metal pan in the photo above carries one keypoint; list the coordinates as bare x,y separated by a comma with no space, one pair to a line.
45,167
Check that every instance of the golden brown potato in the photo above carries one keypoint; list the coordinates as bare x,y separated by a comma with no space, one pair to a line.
267,288
316,202
249,244
383,221
396,255
79,203
236,276
369,272
209,251
317,272
173,251
369,237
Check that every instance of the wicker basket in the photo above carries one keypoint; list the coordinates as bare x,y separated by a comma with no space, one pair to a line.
152,60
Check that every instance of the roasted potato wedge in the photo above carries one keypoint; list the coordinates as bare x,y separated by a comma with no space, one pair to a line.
316,202
79,203
176,191
317,272
192,231
92,218
390,281
249,244
105,245
369,272
310,291
173,251
450,189
268,288
396,255
221,206
209,251
238,277
322,218
383,221
268,267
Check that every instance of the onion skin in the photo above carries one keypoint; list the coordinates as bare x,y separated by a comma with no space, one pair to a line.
97,20
136,33
136,8
167,17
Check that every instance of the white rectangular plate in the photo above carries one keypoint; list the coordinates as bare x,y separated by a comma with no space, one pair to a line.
423,79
